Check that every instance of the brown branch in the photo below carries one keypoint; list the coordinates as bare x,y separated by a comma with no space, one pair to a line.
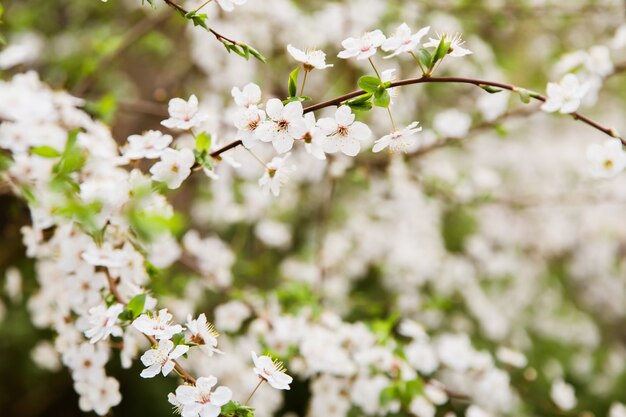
444,80
186,376
217,35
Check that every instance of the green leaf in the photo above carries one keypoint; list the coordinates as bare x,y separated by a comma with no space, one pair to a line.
297,98
73,157
362,106
382,97
234,409
490,89
442,50
5,162
257,54
178,339
45,151
524,95
425,57
293,82
136,304
369,84
203,142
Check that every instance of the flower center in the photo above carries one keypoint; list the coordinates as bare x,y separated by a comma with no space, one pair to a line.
283,124
342,131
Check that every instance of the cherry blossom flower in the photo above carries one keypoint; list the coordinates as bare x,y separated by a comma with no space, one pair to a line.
249,96
311,58
314,137
271,371
343,133
201,400
104,255
161,359
452,123
285,124
403,41
456,44
184,115
103,322
276,174
363,47
87,362
229,5
401,140
247,120
98,395
158,326
173,167
203,334
607,160
150,145
566,95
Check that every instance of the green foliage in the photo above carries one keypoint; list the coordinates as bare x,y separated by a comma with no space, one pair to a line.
201,153
135,306
104,108
45,151
403,391
382,97
293,82
234,409
5,162
370,84
72,158
490,89
457,225
361,103
149,225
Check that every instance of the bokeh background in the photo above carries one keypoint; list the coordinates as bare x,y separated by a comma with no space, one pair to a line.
500,233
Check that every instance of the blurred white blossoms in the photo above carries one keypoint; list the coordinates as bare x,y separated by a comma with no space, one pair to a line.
452,123
98,395
401,140
158,326
565,96
563,395
311,58
247,120
344,134
456,44
173,167
363,47
607,160
150,145
161,358
249,96
201,400
403,41
203,334
276,174
285,124
184,115
271,371
229,5
103,322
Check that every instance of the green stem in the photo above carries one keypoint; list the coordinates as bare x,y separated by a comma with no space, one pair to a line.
253,391
393,124
203,4
418,63
374,66
303,82
256,157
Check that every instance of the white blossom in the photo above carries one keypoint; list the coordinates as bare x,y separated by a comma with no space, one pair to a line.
311,58
229,5
566,95
150,145
563,395
401,140
285,124
184,115
247,97
607,160
158,326
203,334
271,371
362,47
103,322
403,40
174,167
456,44
201,400
343,133
161,358
276,174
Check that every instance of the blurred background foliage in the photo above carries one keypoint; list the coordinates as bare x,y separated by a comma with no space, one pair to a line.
128,61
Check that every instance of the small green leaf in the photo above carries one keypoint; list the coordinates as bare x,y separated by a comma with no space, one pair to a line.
442,50
5,162
297,98
369,84
203,142
136,304
382,97
178,339
524,95
490,89
293,82
45,151
257,54
425,57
